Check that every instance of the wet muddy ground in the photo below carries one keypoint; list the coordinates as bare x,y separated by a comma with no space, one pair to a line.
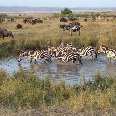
70,73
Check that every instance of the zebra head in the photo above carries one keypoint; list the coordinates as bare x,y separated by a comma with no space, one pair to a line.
102,49
21,55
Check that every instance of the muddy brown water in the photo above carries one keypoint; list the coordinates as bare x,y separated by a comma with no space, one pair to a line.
70,73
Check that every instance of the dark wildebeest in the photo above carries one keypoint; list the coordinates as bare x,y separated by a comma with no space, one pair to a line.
63,19
34,21
27,20
74,23
72,28
6,34
19,26
1,32
65,27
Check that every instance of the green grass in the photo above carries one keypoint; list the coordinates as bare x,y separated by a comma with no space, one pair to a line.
23,91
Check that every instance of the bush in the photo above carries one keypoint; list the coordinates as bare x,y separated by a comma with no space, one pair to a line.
66,11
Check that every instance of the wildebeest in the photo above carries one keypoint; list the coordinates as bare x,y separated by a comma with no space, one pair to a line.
74,23
33,20
5,33
19,26
27,20
1,32
63,19
66,27
72,27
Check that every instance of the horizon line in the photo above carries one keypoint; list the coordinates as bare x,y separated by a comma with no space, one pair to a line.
58,7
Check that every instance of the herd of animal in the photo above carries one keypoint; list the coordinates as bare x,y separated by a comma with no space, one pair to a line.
5,33
63,52
72,26
32,21
7,20
66,53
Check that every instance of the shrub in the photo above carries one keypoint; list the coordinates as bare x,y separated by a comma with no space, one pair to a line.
66,11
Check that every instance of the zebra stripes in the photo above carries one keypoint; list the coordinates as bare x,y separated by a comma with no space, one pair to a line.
67,53
34,55
87,51
110,53
64,52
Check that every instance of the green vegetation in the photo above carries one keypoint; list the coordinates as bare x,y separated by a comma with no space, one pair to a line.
66,12
23,91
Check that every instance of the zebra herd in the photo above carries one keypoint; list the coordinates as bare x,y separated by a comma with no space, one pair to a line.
67,53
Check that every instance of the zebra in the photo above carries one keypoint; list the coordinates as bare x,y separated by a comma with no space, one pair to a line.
110,53
34,55
62,54
87,51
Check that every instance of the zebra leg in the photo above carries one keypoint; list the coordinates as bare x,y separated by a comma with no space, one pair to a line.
31,60
110,60
49,59
96,55
79,59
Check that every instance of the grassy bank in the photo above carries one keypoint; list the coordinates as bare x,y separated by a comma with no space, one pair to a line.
37,36
26,94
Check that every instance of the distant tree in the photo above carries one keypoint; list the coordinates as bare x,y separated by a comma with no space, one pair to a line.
66,12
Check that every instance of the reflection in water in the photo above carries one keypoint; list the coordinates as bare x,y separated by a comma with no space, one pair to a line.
68,72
